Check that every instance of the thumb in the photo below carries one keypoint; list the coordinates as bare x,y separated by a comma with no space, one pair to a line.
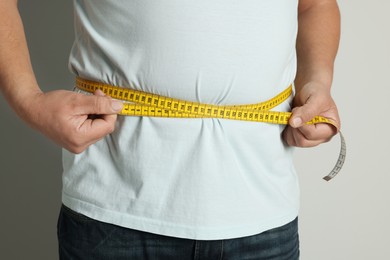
303,114
100,105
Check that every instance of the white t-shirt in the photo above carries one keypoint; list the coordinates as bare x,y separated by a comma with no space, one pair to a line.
190,178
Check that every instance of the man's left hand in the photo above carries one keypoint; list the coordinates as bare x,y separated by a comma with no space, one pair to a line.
312,99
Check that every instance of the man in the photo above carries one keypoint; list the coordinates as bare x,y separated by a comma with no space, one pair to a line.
170,188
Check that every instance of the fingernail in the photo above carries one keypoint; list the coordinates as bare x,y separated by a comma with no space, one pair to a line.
117,105
99,93
297,122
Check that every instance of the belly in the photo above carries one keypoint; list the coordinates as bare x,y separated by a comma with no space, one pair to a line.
220,52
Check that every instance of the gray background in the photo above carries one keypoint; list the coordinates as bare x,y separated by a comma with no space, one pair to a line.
341,220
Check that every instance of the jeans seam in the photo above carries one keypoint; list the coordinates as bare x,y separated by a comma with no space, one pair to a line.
197,249
221,256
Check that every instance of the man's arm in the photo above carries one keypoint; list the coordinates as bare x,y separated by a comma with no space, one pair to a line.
317,45
60,115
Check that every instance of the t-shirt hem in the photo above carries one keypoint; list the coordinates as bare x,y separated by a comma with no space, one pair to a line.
172,229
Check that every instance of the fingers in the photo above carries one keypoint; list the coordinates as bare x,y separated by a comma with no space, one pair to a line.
98,104
73,120
308,135
312,99
92,130
82,131
303,114
100,121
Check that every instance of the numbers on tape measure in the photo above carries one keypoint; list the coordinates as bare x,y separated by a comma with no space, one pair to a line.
147,104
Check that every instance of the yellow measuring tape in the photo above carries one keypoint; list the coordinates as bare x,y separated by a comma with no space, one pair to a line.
152,105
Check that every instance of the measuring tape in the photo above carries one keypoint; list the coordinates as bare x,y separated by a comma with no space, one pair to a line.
152,105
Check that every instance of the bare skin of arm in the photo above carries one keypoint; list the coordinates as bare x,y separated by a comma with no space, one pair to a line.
62,116
317,45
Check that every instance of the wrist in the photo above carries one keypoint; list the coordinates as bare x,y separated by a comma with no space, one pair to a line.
22,97
322,78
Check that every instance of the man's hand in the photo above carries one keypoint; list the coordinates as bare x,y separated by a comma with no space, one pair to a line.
313,99
317,44
74,120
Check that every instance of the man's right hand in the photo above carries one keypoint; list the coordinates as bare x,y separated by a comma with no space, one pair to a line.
63,116
73,120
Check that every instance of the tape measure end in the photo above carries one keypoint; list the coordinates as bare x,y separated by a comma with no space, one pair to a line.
327,178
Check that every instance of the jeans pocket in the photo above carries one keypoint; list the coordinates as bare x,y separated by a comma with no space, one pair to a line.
69,221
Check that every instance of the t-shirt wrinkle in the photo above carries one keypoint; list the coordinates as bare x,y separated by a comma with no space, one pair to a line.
192,178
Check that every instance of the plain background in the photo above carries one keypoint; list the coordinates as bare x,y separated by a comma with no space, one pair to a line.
345,219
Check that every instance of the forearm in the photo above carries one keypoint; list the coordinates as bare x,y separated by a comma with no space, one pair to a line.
17,80
317,42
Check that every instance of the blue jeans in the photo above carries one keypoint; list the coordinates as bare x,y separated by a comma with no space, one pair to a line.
82,238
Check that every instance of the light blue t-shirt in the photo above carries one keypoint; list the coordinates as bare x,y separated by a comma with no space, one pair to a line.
190,178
